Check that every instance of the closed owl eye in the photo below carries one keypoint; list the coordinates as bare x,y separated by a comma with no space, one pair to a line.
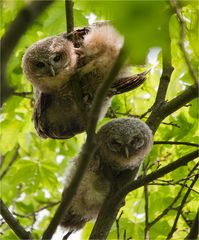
115,145
137,141
40,65
57,58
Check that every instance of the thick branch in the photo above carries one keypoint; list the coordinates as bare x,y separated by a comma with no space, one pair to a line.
110,208
69,15
88,149
13,223
113,202
173,229
168,108
159,173
17,28
146,207
193,234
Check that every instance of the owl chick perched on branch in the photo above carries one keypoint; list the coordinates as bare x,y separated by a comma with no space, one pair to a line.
51,64
122,145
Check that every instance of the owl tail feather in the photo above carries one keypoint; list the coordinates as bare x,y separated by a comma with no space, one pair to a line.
126,84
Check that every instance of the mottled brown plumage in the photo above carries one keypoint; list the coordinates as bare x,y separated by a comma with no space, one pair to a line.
122,145
51,65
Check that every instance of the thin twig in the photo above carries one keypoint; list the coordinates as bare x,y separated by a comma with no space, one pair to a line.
13,223
173,184
23,94
38,210
166,210
176,7
176,143
13,159
173,229
117,221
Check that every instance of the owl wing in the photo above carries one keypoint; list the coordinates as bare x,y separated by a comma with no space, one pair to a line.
125,84
77,36
39,108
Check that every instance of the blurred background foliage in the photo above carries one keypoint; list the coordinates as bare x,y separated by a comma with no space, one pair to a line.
35,179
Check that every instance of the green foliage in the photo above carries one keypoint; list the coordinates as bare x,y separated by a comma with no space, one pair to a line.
36,177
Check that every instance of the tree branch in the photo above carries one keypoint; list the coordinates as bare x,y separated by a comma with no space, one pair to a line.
13,223
17,28
176,143
173,229
69,15
13,159
158,114
113,202
89,147
110,207
193,234
175,199
159,173
176,7
146,207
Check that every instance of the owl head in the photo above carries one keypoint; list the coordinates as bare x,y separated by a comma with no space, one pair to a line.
125,142
49,63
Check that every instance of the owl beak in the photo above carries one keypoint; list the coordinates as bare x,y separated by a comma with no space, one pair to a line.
52,71
126,152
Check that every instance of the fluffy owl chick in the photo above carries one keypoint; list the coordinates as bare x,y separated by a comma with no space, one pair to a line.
56,114
122,145
100,49
49,63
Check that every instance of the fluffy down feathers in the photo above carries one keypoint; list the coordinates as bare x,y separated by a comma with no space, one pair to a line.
122,145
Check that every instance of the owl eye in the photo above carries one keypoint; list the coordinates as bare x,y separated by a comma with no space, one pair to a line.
40,65
115,144
137,141
57,58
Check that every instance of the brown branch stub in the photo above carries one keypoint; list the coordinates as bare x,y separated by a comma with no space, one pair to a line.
17,28
69,15
13,223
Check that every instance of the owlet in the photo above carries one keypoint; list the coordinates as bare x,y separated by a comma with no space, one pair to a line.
122,145
50,65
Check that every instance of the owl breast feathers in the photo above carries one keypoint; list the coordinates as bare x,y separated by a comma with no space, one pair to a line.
52,64
122,145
